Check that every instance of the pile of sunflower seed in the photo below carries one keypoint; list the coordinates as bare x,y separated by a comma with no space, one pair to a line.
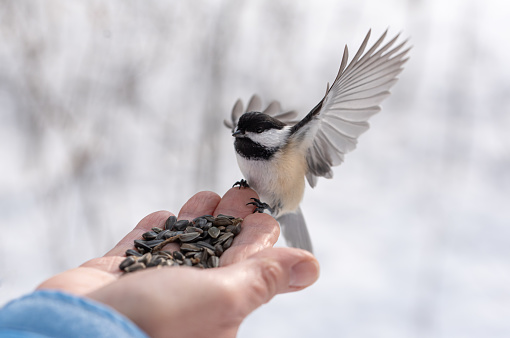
202,241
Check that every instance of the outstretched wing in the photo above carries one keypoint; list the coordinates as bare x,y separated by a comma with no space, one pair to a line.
274,109
342,115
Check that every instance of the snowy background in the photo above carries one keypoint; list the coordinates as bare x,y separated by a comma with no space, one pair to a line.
110,110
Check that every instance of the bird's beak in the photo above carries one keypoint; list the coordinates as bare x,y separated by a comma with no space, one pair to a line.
237,133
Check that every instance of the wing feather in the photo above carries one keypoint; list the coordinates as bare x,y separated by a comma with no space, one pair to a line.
342,115
255,104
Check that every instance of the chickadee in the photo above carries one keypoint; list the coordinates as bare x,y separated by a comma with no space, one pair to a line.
275,153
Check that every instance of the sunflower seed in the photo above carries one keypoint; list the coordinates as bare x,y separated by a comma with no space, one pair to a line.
130,260
222,222
156,260
189,247
218,250
149,235
237,229
170,221
142,246
181,225
228,243
168,262
206,226
178,255
193,229
213,262
162,234
209,218
131,252
225,216
135,267
203,244
199,222
157,230
224,237
214,232
189,236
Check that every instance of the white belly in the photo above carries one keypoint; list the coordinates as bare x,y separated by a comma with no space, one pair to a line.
279,182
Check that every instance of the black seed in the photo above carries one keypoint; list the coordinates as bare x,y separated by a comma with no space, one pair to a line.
223,221
157,230
213,262
187,262
214,232
165,253
156,260
206,226
162,234
145,259
131,252
135,267
142,246
209,218
224,237
170,222
228,243
225,216
178,255
168,262
203,244
218,250
199,222
181,225
189,237
189,247
130,260
172,234
237,229
149,235
204,255
193,229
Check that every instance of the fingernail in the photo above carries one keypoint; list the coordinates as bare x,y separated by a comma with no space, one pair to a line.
304,273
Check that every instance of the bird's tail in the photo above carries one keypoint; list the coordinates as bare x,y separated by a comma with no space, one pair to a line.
294,230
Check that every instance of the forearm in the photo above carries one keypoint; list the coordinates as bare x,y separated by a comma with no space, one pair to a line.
58,314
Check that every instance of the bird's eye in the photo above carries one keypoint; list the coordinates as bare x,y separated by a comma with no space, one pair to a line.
259,130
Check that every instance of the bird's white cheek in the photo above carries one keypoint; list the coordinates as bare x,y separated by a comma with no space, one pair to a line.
272,138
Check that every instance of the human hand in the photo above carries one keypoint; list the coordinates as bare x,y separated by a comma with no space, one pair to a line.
171,301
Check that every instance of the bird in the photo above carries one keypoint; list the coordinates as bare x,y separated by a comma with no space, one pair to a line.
276,152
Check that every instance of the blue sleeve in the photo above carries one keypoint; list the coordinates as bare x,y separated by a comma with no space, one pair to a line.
48,313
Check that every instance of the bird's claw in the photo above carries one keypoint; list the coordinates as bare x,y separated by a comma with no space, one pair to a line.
259,206
242,184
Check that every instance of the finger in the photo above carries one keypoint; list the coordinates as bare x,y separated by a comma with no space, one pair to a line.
258,232
268,273
202,203
86,278
234,202
156,219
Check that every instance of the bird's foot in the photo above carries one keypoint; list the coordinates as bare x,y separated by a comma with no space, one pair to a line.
259,206
242,184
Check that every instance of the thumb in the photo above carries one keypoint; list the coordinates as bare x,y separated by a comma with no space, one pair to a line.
271,272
